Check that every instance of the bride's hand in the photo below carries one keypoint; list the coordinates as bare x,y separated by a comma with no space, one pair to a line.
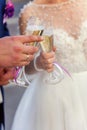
45,61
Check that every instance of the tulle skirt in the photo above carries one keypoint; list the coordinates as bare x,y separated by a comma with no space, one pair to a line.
61,106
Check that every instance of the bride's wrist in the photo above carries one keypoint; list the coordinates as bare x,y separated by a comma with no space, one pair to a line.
37,66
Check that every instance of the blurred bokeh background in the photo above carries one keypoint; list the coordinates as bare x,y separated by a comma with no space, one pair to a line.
13,93
13,22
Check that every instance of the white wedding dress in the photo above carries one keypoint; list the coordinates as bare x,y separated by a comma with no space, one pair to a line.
61,106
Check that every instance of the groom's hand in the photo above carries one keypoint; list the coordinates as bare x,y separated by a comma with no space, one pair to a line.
6,74
15,52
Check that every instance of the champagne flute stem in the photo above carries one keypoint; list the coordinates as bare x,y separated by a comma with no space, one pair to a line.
24,74
59,68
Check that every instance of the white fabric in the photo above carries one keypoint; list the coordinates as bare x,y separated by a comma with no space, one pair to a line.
57,107
62,106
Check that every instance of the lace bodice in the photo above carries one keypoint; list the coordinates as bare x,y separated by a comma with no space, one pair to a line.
70,51
70,30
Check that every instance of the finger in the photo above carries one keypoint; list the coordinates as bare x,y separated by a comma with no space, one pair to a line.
25,49
4,82
8,75
29,49
27,39
28,58
22,58
50,66
54,48
48,55
1,71
49,61
24,63
49,70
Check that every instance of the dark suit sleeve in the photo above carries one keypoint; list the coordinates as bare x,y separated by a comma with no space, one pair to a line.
3,32
3,26
6,31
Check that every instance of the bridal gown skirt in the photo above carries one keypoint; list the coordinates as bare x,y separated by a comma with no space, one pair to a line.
61,106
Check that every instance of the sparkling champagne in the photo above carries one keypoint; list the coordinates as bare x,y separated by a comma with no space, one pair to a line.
34,30
47,43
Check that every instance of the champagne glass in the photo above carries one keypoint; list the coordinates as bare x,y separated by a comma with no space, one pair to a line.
37,26
34,27
20,77
47,44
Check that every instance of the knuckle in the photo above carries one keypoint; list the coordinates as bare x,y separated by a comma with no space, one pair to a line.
31,57
12,38
15,58
33,37
48,61
28,49
17,48
31,50
44,56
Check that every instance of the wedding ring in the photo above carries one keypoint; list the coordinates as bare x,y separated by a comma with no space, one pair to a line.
27,57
